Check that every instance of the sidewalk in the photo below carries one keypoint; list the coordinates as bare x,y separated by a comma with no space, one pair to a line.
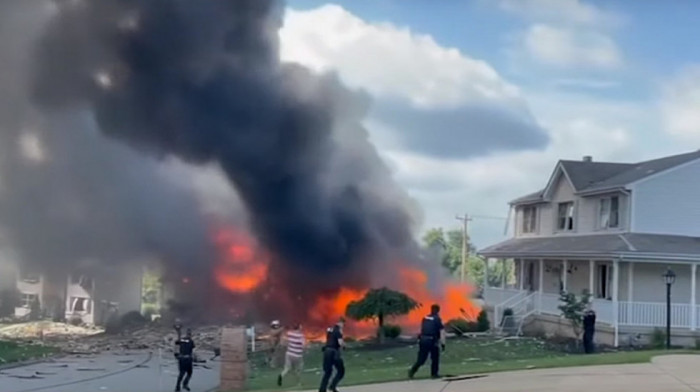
678,373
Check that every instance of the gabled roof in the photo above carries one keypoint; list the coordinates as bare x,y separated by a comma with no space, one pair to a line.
593,177
584,174
599,245
644,169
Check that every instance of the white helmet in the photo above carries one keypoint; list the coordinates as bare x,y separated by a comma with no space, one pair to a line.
275,324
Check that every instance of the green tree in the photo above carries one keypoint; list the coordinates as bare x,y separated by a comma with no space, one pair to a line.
447,248
573,309
378,304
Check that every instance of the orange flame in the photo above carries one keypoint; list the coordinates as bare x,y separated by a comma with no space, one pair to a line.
453,298
241,269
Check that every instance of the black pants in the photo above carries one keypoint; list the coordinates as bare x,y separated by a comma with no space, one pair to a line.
185,367
428,346
588,346
331,359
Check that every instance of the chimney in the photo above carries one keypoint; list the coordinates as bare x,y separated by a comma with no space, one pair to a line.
588,158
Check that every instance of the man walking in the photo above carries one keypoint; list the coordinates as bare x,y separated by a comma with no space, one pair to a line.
274,355
294,358
185,359
432,333
332,358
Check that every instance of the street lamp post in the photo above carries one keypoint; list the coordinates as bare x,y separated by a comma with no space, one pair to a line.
669,278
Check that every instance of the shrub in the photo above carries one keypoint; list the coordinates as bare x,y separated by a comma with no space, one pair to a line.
658,338
482,322
76,321
391,331
133,319
461,326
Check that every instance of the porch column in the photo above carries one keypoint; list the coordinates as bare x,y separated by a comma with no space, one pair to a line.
522,274
630,290
591,277
540,288
503,274
564,275
616,286
693,310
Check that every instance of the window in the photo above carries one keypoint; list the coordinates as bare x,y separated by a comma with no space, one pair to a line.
604,279
609,212
529,219
565,217
27,299
80,305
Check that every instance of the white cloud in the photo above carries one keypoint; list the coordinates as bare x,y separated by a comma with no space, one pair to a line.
562,11
680,105
566,47
390,61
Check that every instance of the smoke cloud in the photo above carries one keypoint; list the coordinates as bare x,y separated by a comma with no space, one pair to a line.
122,87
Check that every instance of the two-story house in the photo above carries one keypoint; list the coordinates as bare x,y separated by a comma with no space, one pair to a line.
613,229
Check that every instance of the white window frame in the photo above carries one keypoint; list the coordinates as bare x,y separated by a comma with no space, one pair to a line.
529,226
605,213
74,302
569,218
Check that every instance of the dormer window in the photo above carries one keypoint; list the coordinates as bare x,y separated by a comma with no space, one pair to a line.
609,213
565,217
529,219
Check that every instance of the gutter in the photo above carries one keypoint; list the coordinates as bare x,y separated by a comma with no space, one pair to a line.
598,191
587,255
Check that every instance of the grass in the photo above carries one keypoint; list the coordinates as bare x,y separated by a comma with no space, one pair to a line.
16,352
365,365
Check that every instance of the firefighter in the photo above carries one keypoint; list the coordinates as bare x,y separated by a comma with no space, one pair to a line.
588,331
332,357
185,358
431,339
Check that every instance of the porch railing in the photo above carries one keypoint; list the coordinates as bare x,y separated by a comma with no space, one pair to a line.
653,314
642,314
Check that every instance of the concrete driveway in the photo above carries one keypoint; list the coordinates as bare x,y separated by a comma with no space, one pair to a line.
668,374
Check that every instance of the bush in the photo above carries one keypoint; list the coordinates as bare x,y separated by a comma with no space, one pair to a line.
658,338
76,321
460,326
391,331
482,322
133,319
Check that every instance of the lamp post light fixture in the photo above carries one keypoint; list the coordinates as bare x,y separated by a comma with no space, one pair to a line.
669,279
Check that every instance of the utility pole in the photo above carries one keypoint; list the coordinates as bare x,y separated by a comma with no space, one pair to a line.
465,243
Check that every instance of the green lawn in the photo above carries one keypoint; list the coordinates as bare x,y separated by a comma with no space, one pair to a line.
14,352
463,356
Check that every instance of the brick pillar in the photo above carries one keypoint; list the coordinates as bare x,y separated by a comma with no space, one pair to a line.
234,359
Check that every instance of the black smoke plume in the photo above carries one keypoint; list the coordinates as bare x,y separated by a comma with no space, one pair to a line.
201,81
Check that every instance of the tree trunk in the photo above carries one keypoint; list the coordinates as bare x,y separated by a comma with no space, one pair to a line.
381,328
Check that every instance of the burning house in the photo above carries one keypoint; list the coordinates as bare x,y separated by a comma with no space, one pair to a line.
105,100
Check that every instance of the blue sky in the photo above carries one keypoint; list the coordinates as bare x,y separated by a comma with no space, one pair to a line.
512,85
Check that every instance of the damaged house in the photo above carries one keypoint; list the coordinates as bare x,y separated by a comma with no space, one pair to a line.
89,296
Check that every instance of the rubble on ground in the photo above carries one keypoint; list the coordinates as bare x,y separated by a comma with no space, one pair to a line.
45,329
92,340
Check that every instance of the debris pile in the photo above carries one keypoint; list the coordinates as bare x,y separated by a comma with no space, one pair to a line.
46,330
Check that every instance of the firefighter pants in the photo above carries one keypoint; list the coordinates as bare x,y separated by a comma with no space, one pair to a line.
185,366
428,347
332,359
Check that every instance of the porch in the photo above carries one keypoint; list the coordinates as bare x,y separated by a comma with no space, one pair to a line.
625,293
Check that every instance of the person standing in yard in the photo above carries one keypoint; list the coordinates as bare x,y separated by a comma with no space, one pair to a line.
432,334
294,358
275,353
588,331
